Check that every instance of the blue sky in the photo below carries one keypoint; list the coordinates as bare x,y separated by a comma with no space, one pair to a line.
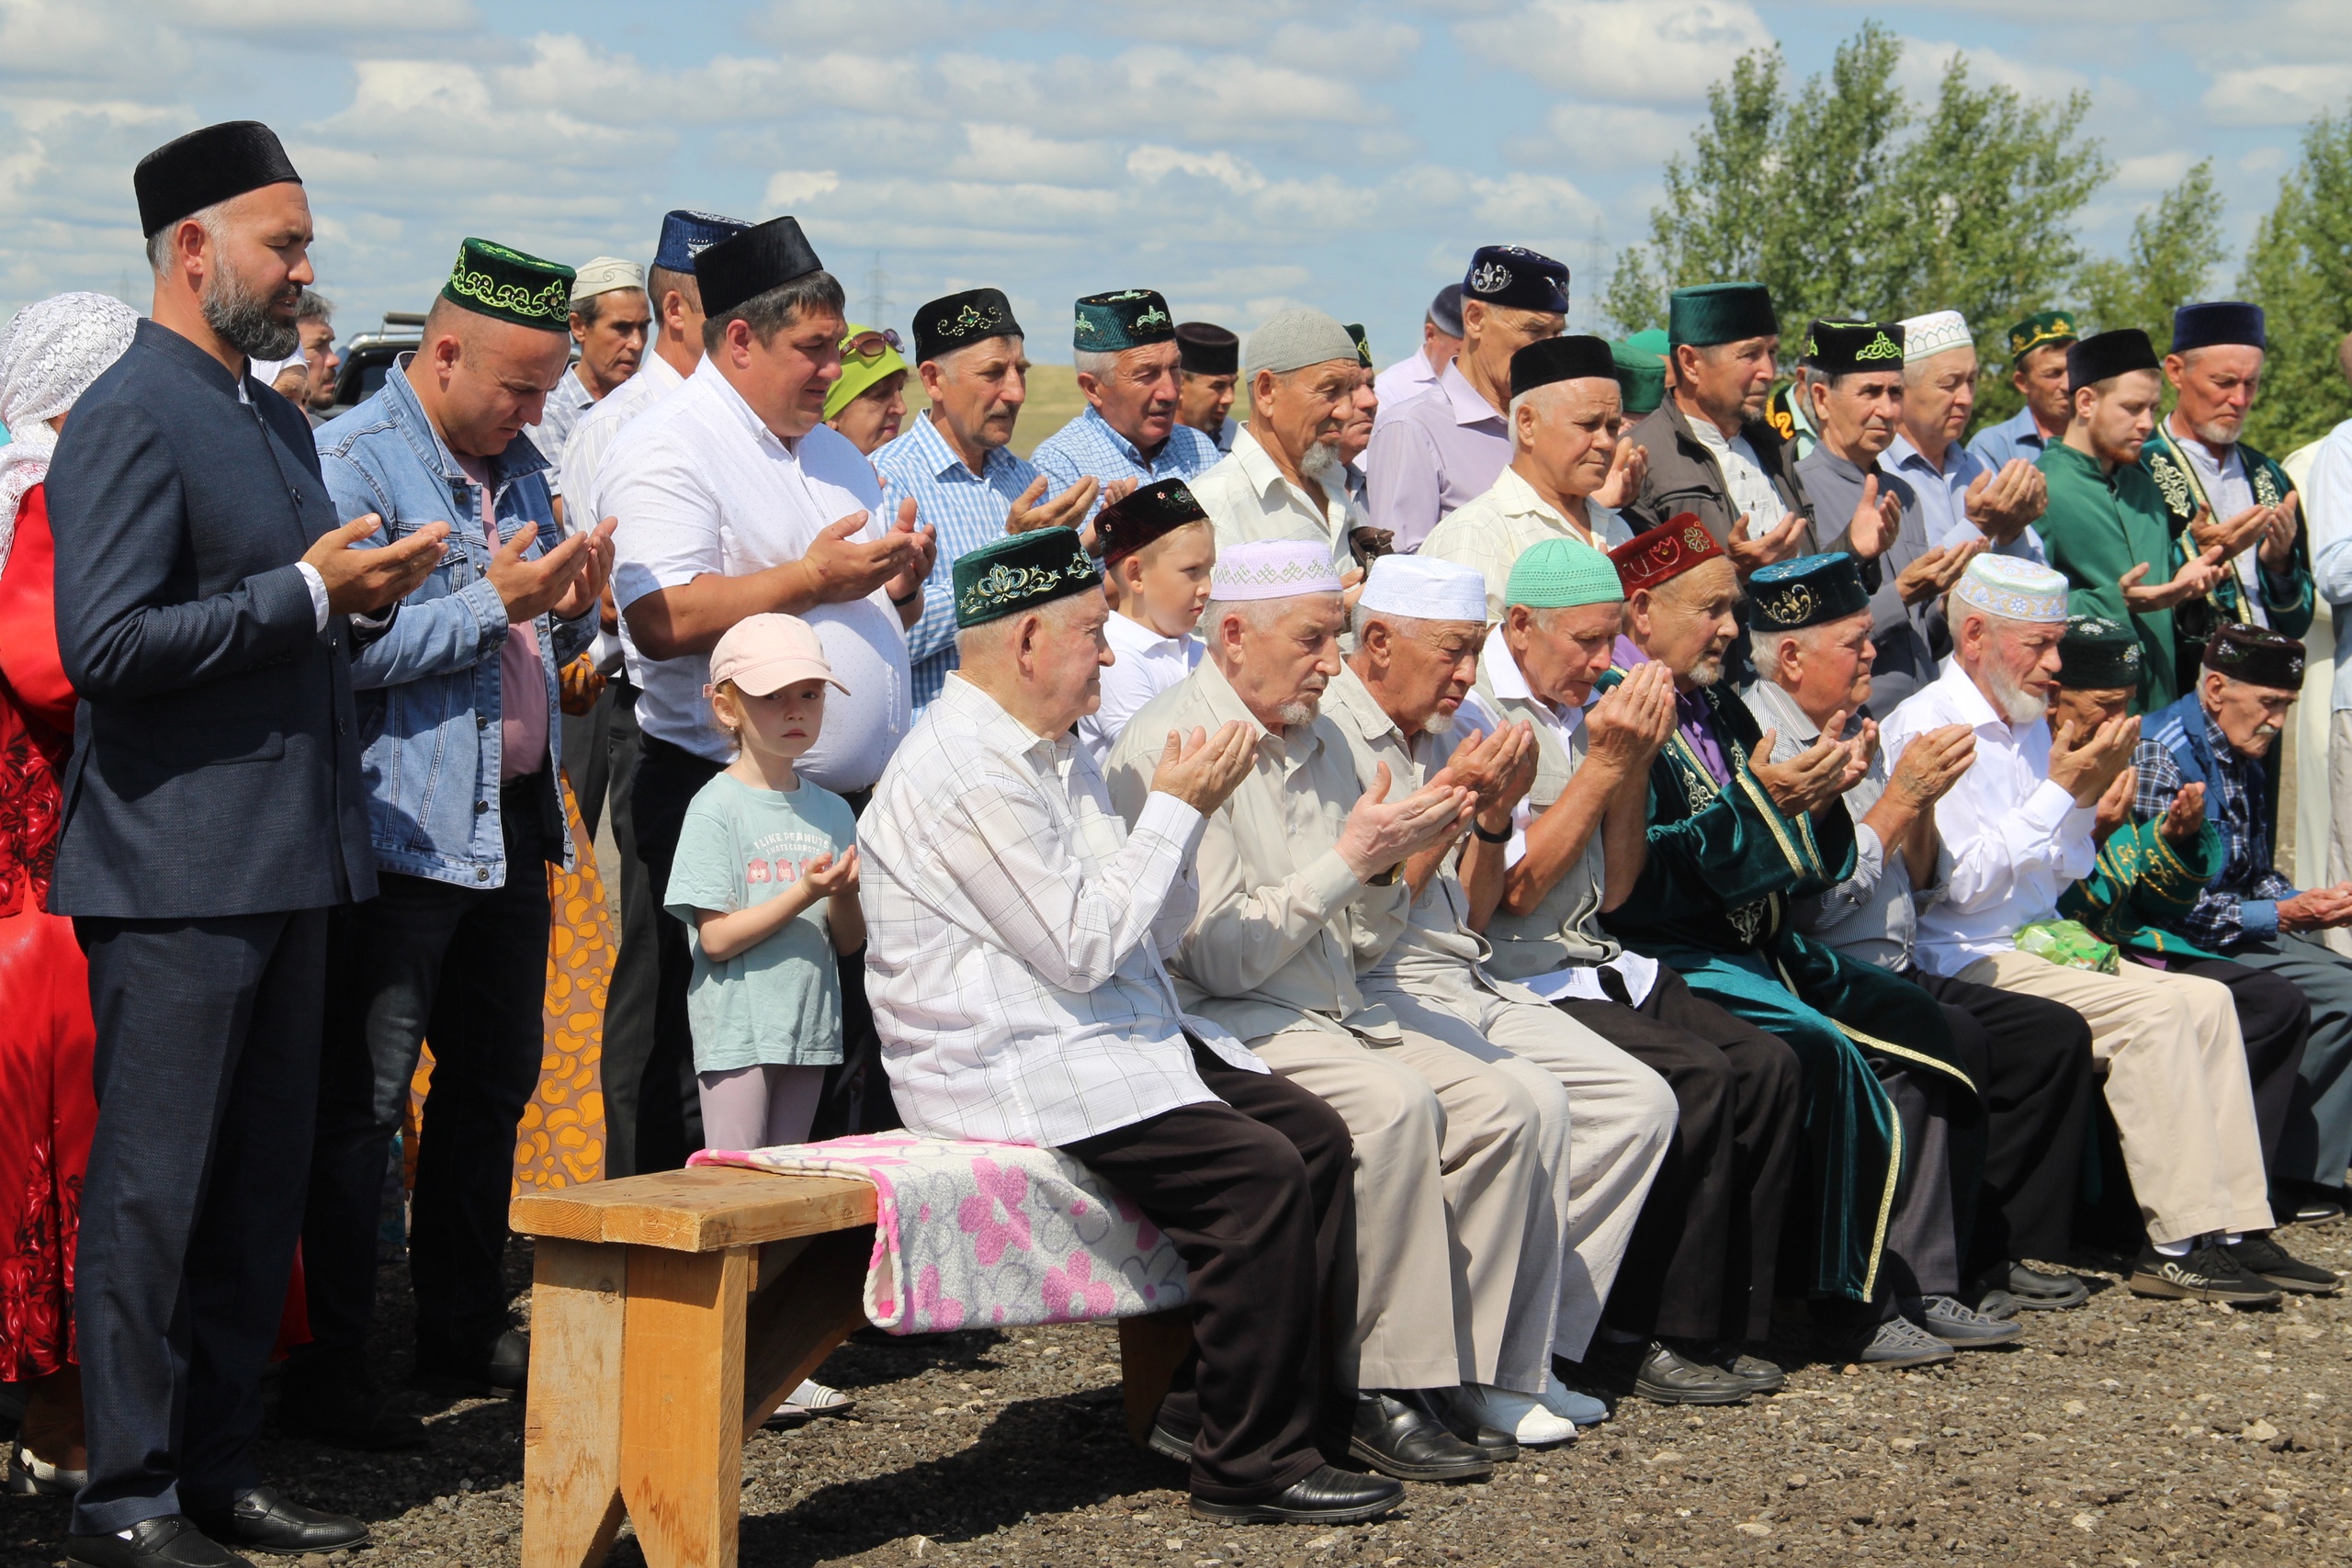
1238,157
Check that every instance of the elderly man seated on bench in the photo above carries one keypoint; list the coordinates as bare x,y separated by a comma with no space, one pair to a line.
1016,928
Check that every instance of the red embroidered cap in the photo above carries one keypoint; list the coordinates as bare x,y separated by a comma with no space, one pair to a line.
1666,551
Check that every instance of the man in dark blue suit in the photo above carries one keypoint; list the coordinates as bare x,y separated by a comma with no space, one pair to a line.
213,813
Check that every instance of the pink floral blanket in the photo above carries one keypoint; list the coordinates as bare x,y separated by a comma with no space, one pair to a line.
979,1235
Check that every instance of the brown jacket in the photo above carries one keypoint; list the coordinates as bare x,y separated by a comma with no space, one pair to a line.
1684,476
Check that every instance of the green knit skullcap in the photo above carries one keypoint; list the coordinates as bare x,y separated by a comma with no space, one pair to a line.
1558,574
509,285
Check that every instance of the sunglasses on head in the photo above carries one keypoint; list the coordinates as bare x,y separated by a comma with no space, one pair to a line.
867,348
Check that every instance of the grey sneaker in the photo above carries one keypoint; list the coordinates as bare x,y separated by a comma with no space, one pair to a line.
1965,1329
1900,1342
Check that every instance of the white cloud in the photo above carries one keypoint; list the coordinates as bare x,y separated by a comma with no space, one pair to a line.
798,187
1156,163
1528,205
1631,51
2152,172
1605,137
282,17
2279,94
1924,60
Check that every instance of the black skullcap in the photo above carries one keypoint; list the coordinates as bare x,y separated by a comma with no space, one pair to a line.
1561,359
746,266
2093,359
1203,348
1445,310
1848,348
205,167
2099,655
959,321
2218,321
2258,657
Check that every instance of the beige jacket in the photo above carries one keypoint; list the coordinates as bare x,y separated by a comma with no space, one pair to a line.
1493,530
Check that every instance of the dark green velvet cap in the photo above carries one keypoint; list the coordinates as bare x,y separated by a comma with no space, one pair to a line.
2099,655
1641,370
2042,326
1007,576
1131,318
492,280
1810,590
1720,312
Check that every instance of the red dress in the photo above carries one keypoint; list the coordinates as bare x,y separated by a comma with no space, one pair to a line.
47,1109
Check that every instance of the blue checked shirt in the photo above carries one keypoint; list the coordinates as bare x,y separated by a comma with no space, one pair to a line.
968,509
2241,905
1089,446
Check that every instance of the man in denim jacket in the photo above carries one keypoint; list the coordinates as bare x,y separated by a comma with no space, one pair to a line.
457,712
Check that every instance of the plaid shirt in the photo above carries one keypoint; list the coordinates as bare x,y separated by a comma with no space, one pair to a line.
2240,904
968,509
1089,446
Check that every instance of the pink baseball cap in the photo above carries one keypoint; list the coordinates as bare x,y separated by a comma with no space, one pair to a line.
762,654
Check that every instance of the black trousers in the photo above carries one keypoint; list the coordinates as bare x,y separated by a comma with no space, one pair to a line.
1255,1194
1921,1257
2276,1019
466,968
667,1125
2035,1075
205,1075
1701,1263
606,775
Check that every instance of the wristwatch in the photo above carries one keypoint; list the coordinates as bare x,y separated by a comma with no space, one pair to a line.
1485,838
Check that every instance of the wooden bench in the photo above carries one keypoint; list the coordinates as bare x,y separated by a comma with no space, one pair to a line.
669,1313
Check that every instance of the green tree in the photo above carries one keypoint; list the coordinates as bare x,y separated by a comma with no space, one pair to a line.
2175,244
2299,269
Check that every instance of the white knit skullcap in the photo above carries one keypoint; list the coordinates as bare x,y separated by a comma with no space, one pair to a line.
1272,568
1422,588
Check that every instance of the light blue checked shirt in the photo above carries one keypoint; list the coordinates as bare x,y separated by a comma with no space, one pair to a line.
968,509
1089,446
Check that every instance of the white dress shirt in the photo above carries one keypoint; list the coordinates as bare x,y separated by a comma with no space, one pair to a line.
1744,477
592,438
1146,665
2327,501
2016,839
1248,499
702,487
1014,931
565,406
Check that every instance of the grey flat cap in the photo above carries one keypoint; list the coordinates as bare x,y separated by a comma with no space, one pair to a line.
1295,338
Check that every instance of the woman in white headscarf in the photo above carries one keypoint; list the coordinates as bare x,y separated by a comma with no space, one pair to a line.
49,354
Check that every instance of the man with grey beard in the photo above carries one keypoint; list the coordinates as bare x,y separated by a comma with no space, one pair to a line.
1284,478
207,606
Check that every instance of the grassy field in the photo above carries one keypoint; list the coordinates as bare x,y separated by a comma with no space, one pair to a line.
1054,401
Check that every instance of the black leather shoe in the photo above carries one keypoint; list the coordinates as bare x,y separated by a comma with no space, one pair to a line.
1760,1375
340,1405
1438,1403
2307,1205
1664,1374
1402,1440
501,1366
1327,1497
1171,1437
261,1520
2035,1290
170,1542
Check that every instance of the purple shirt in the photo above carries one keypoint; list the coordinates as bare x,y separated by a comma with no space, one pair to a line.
1436,452
1694,715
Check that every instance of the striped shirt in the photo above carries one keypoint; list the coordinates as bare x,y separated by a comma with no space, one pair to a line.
968,509
1088,444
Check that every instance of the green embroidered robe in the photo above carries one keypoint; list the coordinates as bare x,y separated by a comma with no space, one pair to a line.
2290,611
1713,901
2142,882
2098,526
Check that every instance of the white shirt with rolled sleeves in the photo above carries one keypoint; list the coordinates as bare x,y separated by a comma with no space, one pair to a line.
1248,499
1015,929
583,450
1145,665
2016,839
701,486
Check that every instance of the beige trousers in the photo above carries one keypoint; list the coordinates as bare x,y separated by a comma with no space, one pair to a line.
1448,1161
1615,1118
2176,1082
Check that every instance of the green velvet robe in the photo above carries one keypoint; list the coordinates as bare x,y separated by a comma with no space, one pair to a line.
2098,526
2288,601
1712,902
2143,882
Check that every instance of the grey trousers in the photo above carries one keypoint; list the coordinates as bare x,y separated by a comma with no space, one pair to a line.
2317,1144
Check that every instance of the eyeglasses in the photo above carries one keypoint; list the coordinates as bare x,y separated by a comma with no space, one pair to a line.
868,347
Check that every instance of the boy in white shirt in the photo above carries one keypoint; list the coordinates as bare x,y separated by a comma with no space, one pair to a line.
1157,549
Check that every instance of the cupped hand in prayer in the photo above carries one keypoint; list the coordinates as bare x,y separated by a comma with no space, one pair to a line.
1932,573
1380,833
1202,769
2278,536
1033,509
1878,517
2185,819
1811,779
2114,808
2194,578
530,588
1784,541
2229,536
2003,505
1625,729
1629,466
829,875
2317,909
587,589
2084,766
361,582
1495,768
1932,764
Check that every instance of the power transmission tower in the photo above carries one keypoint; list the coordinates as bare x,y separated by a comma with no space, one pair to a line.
877,294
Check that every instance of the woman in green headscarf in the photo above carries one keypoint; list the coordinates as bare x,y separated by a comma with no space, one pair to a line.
869,402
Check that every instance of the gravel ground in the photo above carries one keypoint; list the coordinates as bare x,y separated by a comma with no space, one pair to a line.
2128,1432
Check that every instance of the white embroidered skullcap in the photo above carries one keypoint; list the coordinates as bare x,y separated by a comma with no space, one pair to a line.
2013,589
1934,334
604,275
1423,588
49,353
1272,568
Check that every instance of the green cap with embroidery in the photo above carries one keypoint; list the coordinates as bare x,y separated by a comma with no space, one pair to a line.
2042,326
1849,348
1131,318
1007,576
1558,574
492,280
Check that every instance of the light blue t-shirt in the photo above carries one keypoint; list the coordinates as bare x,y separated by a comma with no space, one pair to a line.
779,1001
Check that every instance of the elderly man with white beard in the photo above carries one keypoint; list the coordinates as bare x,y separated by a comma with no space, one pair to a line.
1418,629
1285,477
2019,828
1301,889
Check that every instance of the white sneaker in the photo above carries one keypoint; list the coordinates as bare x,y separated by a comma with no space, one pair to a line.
810,1399
1569,1405
1523,1416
